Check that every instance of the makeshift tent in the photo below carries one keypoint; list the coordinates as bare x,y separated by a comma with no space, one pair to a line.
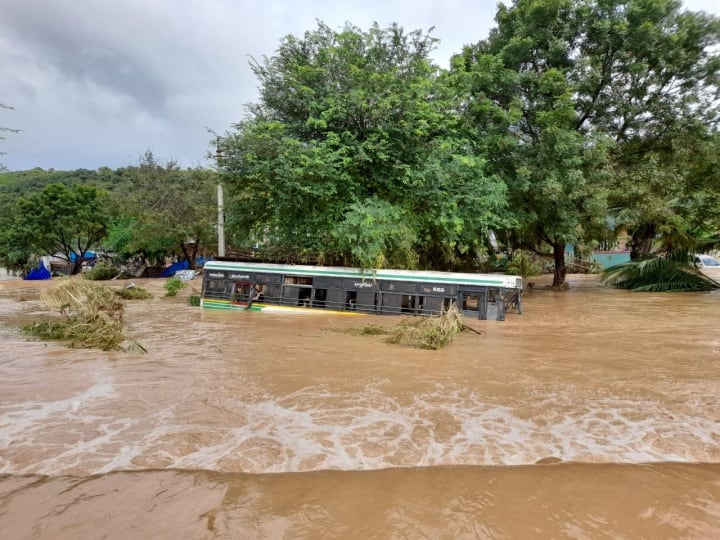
170,270
87,256
39,272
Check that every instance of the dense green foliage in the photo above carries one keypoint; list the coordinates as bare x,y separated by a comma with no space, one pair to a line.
354,152
61,220
162,210
173,286
149,209
19,183
659,274
578,100
525,263
572,120
101,272
18,248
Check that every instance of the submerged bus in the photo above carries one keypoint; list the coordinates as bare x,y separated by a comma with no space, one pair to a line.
265,286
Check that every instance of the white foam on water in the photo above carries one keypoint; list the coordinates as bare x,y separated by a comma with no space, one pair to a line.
375,431
20,419
316,429
25,427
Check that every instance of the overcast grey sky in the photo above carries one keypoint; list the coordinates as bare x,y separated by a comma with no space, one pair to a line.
98,82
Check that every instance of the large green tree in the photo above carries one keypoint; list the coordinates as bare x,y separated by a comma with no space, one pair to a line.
669,197
16,249
15,254
355,152
567,93
163,210
60,220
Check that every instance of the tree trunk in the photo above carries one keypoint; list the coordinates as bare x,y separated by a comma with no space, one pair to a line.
190,256
75,266
641,242
559,270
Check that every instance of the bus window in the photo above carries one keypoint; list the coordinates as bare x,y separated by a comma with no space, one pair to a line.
351,300
320,298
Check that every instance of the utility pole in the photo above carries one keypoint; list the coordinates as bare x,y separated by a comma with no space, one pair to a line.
220,202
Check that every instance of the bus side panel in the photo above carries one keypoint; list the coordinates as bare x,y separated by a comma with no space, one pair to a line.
336,299
366,301
391,303
271,294
290,295
432,305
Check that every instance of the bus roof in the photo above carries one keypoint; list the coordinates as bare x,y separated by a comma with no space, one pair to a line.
426,276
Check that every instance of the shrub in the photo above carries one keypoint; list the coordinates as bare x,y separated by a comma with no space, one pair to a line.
173,285
102,272
525,264
194,298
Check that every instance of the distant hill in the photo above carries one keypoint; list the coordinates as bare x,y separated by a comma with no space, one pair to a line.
19,183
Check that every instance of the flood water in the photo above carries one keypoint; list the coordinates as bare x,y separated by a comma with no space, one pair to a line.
595,414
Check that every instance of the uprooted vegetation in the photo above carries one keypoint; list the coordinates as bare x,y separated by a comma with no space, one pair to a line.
421,332
90,316
132,292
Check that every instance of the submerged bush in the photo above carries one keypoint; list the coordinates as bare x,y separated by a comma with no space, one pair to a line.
173,285
194,298
102,272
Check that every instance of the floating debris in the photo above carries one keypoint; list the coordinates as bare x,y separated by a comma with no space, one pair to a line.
91,317
421,332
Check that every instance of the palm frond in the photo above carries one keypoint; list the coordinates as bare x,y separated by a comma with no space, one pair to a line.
658,275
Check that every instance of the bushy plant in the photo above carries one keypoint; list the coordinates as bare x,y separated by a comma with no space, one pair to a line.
194,298
525,264
102,272
173,286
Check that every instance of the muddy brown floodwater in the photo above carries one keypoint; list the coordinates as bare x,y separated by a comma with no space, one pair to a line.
593,415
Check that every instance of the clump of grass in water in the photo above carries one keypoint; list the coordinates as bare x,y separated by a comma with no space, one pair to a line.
91,317
134,293
373,330
422,332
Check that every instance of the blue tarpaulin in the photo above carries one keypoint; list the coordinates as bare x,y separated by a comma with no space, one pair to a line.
170,270
88,256
39,272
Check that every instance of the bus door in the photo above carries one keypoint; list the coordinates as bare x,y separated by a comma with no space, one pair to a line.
241,291
473,304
